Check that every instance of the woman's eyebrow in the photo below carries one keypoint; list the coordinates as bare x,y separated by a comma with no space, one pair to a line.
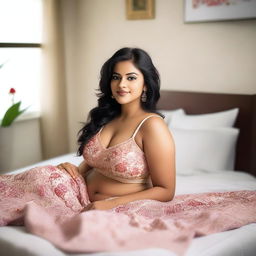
132,73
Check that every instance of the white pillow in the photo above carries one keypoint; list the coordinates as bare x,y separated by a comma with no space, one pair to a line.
208,149
218,119
169,114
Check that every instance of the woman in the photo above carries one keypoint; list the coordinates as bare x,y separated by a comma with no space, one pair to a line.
127,147
129,156
129,152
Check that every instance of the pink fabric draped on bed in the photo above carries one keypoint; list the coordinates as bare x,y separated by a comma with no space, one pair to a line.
51,195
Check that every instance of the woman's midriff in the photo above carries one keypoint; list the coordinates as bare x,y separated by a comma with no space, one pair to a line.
100,187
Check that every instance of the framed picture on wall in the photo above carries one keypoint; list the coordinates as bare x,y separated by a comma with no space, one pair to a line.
140,9
217,10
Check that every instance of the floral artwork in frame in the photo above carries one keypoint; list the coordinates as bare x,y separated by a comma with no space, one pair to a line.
140,9
217,10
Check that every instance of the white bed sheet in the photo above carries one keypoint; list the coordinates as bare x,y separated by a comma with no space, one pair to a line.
239,242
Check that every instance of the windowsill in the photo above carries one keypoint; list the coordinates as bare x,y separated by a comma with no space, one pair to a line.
27,116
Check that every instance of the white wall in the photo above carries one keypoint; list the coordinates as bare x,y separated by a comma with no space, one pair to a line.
20,143
209,57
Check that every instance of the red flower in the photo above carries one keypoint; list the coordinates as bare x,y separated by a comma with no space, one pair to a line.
12,91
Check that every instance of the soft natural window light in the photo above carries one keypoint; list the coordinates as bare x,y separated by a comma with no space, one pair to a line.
22,71
21,21
20,26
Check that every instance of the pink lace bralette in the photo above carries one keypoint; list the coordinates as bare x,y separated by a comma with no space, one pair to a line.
124,162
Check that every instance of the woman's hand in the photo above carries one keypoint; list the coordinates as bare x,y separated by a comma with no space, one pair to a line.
72,169
101,205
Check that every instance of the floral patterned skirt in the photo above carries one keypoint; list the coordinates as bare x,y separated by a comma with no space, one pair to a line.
47,186
49,194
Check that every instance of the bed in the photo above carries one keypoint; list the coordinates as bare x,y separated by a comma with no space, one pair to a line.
228,164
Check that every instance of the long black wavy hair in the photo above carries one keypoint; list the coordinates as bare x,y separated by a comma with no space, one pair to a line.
108,108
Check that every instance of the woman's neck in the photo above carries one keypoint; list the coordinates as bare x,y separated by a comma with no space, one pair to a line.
131,110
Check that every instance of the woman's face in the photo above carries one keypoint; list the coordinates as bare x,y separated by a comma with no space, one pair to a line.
127,83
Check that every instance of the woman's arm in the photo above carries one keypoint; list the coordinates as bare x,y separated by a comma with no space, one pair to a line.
159,149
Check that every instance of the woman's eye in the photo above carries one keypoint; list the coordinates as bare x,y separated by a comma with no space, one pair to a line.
130,78
115,77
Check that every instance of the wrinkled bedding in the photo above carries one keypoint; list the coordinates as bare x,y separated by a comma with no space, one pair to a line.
53,196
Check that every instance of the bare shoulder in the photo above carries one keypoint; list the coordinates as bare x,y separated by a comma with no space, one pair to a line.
155,124
155,131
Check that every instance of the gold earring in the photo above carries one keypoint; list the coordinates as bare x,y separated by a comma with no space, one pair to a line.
144,96
112,97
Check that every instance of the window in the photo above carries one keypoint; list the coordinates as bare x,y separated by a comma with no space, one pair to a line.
20,53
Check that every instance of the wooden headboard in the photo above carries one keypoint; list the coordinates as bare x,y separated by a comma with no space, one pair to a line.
201,103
